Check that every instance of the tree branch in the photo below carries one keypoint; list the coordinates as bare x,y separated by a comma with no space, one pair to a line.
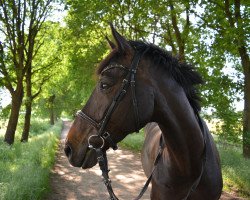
45,79
171,41
11,35
3,70
187,24
228,13
237,11
179,40
213,26
43,15
53,62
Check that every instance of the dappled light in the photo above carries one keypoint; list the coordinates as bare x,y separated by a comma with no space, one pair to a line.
71,183
75,183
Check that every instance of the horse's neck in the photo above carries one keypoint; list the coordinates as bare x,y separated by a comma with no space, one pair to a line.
179,126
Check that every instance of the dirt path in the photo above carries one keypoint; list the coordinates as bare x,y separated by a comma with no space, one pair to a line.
70,183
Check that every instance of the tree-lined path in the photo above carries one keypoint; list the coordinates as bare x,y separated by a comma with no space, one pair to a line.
70,183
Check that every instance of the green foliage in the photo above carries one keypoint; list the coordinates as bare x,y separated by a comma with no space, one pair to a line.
4,113
72,79
25,167
133,141
224,27
202,45
48,69
38,126
84,42
231,128
46,65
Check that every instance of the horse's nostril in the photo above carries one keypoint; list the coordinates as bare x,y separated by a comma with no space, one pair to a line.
67,150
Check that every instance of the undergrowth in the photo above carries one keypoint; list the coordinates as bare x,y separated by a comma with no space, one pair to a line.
133,141
235,170
25,167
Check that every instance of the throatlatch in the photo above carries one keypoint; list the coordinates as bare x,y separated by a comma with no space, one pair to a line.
104,136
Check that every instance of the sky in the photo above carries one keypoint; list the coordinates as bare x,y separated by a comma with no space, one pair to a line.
5,98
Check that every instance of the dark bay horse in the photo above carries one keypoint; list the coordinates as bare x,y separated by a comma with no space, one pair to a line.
165,95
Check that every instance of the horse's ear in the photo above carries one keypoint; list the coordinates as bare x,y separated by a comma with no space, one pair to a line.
122,43
111,44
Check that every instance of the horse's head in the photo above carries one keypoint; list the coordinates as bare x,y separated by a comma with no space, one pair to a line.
115,106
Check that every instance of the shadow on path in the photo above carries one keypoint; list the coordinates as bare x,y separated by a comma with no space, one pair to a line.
70,183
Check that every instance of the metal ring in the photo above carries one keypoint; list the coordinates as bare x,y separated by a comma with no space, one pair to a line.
91,146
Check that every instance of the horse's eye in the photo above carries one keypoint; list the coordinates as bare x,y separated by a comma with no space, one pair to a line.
104,86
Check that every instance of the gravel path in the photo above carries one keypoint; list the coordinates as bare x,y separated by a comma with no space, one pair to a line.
70,183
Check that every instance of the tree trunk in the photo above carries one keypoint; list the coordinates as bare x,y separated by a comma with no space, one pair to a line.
26,127
246,115
246,119
14,115
178,35
28,103
52,117
51,108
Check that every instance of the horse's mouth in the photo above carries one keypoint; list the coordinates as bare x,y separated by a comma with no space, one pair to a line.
89,159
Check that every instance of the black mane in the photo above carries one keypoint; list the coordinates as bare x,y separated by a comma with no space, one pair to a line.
183,73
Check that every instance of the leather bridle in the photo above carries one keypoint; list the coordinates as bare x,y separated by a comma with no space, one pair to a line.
129,80
104,136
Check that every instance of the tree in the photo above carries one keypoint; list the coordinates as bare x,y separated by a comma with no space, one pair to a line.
71,77
43,68
166,23
20,21
169,25
229,25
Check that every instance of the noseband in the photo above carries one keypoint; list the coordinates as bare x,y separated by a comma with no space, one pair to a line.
102,134
129,80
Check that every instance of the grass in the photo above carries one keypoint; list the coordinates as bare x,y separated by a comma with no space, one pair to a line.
235,168
133,141
25,167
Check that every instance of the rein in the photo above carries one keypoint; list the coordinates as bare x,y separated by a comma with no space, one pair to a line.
104,136
129,80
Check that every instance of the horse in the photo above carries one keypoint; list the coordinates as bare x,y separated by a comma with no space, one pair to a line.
142,85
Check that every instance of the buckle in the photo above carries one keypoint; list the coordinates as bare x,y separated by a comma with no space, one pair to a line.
106,135
125,81
100,159
133,71
91,146
107,181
